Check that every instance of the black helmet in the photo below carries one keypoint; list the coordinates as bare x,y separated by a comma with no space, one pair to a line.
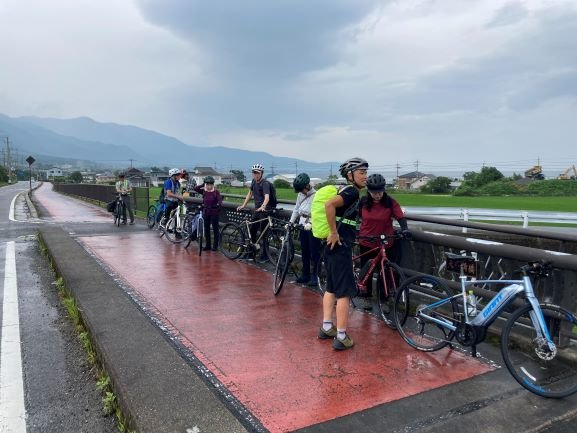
376,183
209,179
352,164
301,181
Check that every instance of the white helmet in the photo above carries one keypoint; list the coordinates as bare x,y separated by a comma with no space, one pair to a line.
257,167
173,171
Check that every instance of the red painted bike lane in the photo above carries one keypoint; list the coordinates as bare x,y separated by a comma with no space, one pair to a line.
263,348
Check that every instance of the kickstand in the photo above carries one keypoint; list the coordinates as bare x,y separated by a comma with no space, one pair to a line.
474,350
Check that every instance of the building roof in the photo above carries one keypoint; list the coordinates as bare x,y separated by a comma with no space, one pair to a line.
205,171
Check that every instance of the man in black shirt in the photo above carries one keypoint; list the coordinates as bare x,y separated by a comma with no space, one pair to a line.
264,202
341,212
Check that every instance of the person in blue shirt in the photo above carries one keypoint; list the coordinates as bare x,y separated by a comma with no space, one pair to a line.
172,193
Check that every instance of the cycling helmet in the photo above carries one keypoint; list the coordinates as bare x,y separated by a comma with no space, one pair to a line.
352,164
183,172
209,179
122,174
301,181
257,167
173,171
376,183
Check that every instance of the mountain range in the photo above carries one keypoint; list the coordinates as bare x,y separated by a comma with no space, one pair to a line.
84,142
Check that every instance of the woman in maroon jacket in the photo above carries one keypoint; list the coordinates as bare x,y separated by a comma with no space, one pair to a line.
377,212
211,201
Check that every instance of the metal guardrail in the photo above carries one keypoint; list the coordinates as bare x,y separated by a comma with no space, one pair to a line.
525,217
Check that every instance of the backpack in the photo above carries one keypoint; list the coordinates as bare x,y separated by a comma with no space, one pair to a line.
272,201
320,225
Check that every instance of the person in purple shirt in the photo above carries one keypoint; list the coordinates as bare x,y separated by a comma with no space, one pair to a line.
211,201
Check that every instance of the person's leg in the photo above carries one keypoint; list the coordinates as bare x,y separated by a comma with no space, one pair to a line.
305,258
315,254
207,232
128,202
215,227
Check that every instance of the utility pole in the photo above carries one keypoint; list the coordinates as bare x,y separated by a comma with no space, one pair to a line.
272,169
296,167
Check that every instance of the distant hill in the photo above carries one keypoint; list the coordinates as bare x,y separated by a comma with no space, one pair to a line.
114,145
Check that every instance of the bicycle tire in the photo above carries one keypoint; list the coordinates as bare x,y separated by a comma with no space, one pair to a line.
232,241
172,232
417,331
187,226
393,279
322,273
273,243
282,265
151,216
117,214
526,356
200,235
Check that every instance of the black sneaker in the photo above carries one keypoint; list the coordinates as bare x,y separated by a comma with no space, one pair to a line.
214,248
325,335
345,344
206,249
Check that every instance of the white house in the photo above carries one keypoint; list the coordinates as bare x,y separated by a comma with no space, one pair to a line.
54,172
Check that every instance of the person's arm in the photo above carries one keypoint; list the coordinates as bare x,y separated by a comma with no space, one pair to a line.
331,212
266,192
246,199
295,213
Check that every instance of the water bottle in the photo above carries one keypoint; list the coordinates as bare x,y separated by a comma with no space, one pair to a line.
471,304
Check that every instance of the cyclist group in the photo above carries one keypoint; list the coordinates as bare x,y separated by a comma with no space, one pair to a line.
180,185
377,210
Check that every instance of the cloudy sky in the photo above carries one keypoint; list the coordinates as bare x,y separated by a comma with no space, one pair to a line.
433,84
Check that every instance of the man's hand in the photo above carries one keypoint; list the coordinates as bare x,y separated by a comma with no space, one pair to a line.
240,207
333,239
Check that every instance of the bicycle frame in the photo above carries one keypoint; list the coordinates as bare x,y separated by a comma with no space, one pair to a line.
494,308
247,224
380,260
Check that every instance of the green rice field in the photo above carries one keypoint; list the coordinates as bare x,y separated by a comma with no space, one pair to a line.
560,204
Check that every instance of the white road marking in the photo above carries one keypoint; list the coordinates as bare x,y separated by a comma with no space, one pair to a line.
12,410
12,206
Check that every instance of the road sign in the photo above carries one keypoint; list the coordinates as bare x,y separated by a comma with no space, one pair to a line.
30,160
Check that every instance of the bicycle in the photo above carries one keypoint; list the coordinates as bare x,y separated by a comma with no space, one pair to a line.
154,213
285,257
389,276
174,227
194,226
538,341
119,209
236,241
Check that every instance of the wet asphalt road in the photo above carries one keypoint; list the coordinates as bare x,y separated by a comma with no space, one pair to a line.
60,393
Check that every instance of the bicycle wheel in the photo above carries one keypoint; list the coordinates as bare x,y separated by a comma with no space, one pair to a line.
232,241
174,233
387,286
273,243
528,358
200,235
187,227
282,264
418,331
151,216
322,274
117,214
